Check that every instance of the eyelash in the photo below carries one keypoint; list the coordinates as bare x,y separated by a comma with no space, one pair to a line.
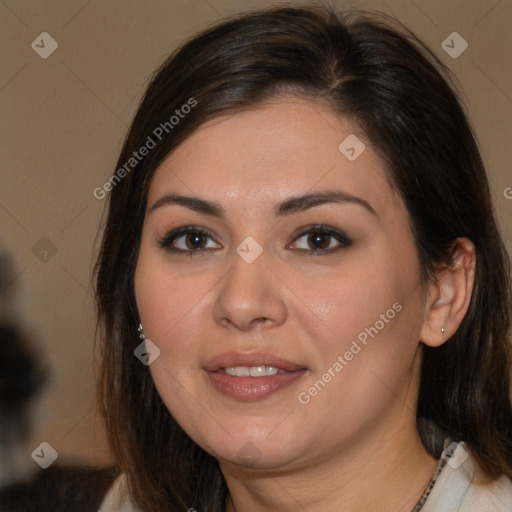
166,241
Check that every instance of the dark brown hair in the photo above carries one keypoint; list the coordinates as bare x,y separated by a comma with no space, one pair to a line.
378,74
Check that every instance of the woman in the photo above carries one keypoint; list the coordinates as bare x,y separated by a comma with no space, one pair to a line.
303,294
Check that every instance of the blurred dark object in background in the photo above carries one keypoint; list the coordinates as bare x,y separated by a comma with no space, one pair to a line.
23,375
59,489
21,379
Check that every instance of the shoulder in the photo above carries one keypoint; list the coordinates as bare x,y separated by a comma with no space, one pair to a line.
457,491
493,497
117,498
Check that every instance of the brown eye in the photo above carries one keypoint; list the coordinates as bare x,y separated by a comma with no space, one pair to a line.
195,240
322,240
319,240
187,239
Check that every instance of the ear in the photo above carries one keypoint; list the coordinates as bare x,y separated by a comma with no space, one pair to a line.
449,295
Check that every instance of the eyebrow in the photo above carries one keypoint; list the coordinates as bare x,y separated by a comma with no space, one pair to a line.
290,205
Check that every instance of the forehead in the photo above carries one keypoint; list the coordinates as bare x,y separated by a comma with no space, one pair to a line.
265,154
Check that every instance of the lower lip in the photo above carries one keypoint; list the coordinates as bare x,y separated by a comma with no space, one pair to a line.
252,388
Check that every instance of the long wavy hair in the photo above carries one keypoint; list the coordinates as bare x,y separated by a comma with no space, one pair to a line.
373,71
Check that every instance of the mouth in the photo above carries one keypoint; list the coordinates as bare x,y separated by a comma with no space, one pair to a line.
249,377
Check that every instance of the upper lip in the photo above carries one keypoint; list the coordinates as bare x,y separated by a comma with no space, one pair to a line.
230,359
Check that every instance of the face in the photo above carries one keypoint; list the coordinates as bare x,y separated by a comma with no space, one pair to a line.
287,327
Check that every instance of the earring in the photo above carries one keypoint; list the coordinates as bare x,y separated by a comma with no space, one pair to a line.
442,330
141,333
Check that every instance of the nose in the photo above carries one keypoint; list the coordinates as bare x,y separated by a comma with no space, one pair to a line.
251,296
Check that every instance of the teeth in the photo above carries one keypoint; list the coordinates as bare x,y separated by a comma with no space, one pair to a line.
253,371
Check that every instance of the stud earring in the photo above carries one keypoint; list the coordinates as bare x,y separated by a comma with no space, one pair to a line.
442,330
141,333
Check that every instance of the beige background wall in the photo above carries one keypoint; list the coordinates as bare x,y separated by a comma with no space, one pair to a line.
62,123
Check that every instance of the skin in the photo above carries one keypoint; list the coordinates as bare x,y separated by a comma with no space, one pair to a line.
354,446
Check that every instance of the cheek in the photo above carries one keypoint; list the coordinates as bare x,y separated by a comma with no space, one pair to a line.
171,308
172,312
164,310
363,374
361,303
374,317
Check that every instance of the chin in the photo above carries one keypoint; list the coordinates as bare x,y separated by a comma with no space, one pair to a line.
263,449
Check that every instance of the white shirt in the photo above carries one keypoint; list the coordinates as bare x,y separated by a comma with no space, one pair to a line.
454,490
